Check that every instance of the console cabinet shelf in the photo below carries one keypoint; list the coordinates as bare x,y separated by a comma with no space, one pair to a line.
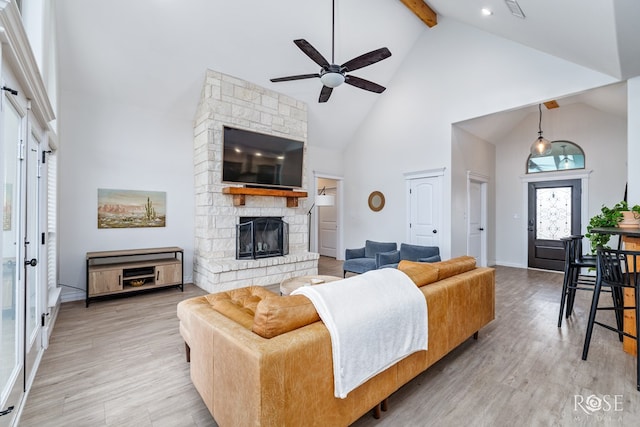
112,273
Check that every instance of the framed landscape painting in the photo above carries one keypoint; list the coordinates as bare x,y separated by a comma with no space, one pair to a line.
131,208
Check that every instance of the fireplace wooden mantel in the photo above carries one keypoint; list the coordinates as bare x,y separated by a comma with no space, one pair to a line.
239,194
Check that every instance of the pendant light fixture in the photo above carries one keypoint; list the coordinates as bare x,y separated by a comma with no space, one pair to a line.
541,146
565,162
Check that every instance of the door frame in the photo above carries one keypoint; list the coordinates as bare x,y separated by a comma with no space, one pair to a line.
582,174
483,180
339,212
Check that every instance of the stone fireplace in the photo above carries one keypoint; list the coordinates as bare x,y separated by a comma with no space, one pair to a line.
226,100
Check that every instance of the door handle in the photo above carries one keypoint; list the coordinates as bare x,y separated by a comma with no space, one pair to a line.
435,231
481,229
32,262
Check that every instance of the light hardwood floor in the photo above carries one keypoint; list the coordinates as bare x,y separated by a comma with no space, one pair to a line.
121,363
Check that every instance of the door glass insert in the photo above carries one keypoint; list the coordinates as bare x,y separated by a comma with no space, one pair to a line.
31,239
553,207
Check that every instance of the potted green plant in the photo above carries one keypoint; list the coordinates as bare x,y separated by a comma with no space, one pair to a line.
610,217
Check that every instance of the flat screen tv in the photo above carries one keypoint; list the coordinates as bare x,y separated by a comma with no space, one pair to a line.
258,159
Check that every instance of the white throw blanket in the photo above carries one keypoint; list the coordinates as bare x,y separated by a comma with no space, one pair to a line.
374,319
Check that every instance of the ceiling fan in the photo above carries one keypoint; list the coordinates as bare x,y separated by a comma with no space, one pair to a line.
332,75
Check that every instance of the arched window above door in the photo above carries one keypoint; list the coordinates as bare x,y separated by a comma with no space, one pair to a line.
565,155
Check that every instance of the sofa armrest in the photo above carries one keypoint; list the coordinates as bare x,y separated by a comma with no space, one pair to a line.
354,253
384,258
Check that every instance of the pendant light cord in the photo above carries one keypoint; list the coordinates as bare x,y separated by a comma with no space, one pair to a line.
540,121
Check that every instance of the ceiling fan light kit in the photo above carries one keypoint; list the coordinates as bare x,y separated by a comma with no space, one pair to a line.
331,78
332,75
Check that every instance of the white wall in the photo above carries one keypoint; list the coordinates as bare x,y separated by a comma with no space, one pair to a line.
453,73
602,137
471,154
633,145
110,145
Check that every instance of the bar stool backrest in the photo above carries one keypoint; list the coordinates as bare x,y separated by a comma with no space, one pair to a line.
619,267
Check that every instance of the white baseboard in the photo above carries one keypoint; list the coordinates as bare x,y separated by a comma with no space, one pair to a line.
72,295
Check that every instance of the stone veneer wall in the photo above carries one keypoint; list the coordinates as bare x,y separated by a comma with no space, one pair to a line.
227,100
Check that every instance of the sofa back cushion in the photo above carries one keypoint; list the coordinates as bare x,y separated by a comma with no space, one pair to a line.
279,314
454,266
239,305
371,248
422,273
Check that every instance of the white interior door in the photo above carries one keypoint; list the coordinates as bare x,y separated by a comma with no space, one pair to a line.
476,238
425,199
328,227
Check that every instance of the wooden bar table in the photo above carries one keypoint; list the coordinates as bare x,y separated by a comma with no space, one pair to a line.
631,239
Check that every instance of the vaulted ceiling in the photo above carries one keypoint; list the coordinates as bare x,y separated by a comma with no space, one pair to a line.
153,53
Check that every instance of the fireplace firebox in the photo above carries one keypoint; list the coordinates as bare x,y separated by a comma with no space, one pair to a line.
261,237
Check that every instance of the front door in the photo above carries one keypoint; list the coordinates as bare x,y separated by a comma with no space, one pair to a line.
554,213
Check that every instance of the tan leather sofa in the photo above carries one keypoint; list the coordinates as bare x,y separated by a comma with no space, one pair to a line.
260,359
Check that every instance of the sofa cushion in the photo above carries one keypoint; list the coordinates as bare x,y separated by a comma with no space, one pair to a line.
239,305
276,315
371,248
421,273
454,266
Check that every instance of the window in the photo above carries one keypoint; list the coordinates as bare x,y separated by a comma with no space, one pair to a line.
565,155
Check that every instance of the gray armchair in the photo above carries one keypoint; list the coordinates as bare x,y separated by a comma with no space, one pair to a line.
407,252
361,260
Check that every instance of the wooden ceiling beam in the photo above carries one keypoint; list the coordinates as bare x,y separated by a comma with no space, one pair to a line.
422,11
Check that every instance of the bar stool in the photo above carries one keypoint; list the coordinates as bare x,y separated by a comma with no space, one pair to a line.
617,269
574,262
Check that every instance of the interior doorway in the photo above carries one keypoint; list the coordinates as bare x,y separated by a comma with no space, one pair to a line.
326,238
477,217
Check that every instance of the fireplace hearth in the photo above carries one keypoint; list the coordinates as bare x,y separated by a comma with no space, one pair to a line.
261,237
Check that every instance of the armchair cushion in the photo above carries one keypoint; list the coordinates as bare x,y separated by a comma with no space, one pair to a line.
362,260
354,253
359,265
434,258
371,248
386,258
418,252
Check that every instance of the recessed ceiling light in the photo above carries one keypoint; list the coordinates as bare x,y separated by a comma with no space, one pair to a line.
486,11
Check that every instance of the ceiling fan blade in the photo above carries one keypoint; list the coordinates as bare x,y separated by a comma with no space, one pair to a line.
325,93
366,59
298,77
311,52
364,84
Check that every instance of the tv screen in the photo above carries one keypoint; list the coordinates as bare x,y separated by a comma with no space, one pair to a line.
259,159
